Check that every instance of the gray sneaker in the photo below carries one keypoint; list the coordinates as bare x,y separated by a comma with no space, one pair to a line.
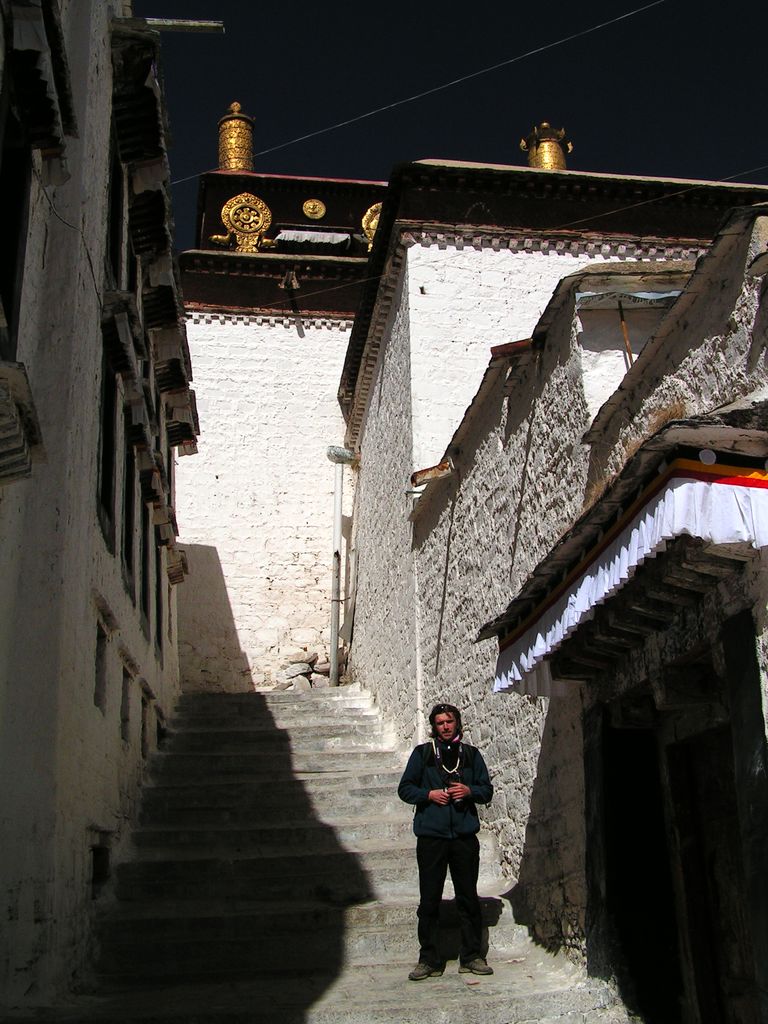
476,966
422,971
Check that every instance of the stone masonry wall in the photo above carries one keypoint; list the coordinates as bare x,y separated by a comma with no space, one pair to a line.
461,303
453,306
71,770
713,352
520,479
384,653
257,500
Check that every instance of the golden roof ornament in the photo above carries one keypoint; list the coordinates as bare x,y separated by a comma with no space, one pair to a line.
236,140
546,147
370,222
314,209
247,219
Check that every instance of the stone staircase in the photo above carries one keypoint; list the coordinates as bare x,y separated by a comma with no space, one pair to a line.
273,879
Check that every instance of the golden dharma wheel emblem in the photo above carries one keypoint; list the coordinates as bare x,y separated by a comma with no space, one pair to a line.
370,222
314,209
247,219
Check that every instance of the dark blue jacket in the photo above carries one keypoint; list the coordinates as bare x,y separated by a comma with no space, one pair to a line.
449,821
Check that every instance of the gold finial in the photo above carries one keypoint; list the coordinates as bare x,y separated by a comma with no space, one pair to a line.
546,147
235,140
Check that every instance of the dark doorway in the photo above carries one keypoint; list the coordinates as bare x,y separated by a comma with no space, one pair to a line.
703,797
638,884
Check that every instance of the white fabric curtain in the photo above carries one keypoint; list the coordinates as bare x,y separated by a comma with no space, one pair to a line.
719,513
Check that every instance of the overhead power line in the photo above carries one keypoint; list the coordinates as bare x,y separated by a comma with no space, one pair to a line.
446,85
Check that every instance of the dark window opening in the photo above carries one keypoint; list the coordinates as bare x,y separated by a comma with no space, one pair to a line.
129,504
146,589
160,730
106,482
125,707
100,674
100,867
15,170
116,256
159,598
170,472
133,272
145,708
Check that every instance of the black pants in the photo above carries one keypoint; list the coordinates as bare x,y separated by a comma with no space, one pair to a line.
435,857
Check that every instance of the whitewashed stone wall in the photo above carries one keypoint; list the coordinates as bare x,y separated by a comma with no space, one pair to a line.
70,770
461,303
521,478
520,481
523,475
712,351
257,501
453,305
384,653
603,353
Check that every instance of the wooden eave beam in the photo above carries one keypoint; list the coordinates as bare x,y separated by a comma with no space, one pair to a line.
685,579
185,25
709,565
631,626
670,594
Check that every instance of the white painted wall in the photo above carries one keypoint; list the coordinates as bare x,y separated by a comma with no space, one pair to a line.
523,473
384,653
461,303
257,501
603,352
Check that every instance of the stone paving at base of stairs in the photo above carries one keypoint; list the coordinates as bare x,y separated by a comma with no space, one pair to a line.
537,987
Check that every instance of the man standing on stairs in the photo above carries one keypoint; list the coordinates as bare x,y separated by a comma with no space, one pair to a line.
445,778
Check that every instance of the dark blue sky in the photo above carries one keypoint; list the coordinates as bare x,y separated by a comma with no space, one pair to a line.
679,90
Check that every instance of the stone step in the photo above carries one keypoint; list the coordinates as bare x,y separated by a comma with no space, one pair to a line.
334,876
254,937
323,719
273,880
290,795
325,697
307,836
232,741
296,843
172,810
533,987
284,765
290,790
299,914
186,957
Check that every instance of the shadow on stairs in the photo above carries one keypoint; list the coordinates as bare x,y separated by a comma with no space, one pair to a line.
273,879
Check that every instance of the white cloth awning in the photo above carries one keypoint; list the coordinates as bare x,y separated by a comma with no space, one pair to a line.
711,503
314,237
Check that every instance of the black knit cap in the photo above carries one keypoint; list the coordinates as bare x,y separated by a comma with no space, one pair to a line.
444,709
